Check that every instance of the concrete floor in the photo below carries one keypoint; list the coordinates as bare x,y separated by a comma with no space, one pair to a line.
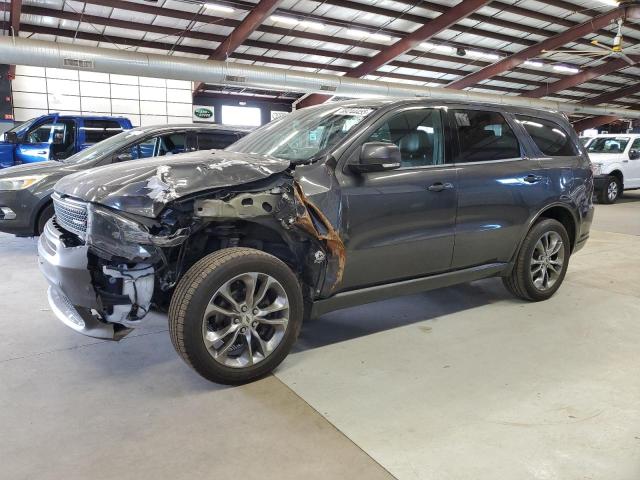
460,383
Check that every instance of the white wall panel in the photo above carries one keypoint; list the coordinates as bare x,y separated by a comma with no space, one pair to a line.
125,106
153,93
30,100
94,89
24,114
62,74
179,109
152,82
135,120
29,84
124,79
30,71
181,84
91,104
94,77
182,96
125,91
153,108
63,87
63,102
180,120
146,120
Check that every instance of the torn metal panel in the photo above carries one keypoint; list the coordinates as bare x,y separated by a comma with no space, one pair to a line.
244,205
330,238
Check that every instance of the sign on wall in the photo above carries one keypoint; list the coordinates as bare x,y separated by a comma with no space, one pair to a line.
203,113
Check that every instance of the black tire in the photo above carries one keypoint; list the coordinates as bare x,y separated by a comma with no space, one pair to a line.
46,213
519,282
603,195
194,292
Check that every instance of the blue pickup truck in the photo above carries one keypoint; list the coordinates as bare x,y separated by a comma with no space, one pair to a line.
56,137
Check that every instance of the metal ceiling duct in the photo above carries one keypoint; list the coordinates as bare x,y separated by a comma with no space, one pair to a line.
21,51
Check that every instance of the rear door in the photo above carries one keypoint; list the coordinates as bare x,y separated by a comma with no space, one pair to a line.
498,186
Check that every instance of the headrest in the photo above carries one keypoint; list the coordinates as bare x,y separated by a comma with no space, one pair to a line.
416,141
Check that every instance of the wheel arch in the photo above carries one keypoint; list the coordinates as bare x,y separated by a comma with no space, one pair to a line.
42,205
618,174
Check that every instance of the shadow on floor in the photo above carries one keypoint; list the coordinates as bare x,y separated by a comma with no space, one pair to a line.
377,317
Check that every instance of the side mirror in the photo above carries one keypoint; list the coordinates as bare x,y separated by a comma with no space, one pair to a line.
377,157
11,137
124,157
58,138
634,154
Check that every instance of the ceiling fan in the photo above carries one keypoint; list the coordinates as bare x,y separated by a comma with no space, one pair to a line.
600,51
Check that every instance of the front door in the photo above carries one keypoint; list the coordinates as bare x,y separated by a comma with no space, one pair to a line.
35,146
401,222
632,173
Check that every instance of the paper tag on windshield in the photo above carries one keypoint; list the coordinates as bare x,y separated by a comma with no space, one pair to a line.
354,112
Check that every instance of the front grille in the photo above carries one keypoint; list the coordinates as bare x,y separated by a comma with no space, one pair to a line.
71,215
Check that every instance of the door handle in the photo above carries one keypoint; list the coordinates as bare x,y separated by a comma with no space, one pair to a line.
439,186
533,178
42,152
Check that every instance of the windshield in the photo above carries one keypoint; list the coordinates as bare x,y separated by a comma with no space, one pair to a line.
608,145
305,134
106,147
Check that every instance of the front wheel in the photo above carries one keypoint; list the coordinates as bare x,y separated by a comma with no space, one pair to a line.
235,315
611,191
542,262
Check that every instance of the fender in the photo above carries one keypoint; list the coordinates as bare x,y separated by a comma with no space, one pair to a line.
569,206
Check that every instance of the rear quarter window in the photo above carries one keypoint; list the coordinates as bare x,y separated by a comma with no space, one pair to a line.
549,137
97,130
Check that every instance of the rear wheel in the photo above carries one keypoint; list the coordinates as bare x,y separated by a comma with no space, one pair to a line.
46,214
235,315
611,191
542,262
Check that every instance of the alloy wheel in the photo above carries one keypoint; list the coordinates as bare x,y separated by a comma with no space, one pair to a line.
245,320
547,261
612,190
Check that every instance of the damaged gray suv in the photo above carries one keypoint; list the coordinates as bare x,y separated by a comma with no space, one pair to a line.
326,208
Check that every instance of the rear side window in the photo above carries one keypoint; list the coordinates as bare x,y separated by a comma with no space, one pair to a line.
97,130
484,136
210,141
550,137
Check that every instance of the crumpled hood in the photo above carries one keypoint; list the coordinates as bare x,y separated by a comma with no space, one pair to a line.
145,187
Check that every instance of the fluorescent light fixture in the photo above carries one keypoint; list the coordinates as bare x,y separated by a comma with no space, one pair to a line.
611,3
439,48
487,55
287,20
364,34
312,24
219,8
534,63
565,68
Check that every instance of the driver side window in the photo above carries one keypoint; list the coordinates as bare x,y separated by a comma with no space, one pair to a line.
39,134
418,133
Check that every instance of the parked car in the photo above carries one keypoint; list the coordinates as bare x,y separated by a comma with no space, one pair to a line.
616,164
56,137
585,140
25,190
328,207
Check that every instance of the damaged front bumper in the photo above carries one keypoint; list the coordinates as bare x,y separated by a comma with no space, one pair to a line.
73,296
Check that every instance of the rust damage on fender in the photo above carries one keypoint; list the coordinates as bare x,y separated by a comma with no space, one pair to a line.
330,238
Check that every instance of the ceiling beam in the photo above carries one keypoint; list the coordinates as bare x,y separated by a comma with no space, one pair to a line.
14,19
586,75
249,24
519,58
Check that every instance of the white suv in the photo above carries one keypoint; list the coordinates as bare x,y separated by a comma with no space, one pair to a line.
616,164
